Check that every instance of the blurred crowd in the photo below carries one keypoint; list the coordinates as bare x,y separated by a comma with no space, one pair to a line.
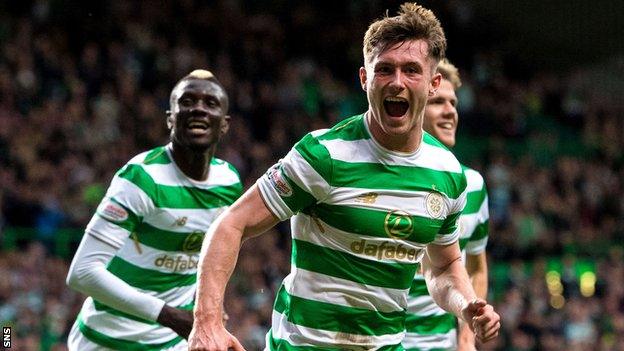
84,87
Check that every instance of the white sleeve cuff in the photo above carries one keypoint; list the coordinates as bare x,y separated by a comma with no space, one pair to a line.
446,239
476,247
273,200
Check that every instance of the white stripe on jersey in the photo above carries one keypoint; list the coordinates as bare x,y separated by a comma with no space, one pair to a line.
363,150
194,219
148,256
437,341
298,335
424,306
295,167
474,179
121,327
319,287
412,202
165,174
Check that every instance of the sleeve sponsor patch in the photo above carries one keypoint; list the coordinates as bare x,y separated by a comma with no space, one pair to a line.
112,211
278,181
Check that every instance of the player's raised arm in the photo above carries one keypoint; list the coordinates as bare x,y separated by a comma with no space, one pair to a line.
248,217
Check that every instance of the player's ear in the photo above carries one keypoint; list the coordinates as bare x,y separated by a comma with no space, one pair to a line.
435,84
170,119
225,125
363,78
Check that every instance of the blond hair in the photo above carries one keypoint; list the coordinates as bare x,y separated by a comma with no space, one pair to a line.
412,22
201,74
450,73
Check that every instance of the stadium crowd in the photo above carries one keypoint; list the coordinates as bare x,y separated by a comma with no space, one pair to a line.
83,90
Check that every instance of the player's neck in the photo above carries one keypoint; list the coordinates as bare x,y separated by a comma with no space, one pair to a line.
194,164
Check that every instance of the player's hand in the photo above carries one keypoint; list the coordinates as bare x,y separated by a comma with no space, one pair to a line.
482,319
206,337
180,321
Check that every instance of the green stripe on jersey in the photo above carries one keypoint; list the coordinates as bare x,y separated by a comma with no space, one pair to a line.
283,345
148,279
338,264
158,156
474,200
326,316
316,155
418,288
370,222
300,198
165,240
366,175
450,223
481,231
167,196
105,308
120,344
350,129
429,325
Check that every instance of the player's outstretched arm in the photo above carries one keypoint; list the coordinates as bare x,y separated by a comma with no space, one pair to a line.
247,217
450,287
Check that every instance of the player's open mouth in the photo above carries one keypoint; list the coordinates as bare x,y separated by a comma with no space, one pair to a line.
446,125
197,127
395,106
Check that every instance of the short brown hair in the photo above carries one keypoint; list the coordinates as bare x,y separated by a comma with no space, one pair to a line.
450,73
412,22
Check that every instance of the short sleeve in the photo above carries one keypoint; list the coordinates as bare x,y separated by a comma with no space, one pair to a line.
449,231
479,237
299,180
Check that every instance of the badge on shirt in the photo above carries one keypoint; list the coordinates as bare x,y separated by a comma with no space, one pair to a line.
112,211
279,182
435,204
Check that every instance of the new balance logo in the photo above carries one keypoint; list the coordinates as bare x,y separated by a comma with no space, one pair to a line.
368,198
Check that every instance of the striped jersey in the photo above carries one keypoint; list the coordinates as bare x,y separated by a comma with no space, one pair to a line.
428,326
158,217
362,217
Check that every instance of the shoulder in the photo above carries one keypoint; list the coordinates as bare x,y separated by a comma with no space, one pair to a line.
327,140
437,157
226,172
138,165
475,180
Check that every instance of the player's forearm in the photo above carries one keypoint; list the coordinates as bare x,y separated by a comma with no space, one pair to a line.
217,261
449,286
477,268
89,276
465,336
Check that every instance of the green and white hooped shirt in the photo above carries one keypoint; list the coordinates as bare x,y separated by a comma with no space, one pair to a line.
162,216
428,326
362,217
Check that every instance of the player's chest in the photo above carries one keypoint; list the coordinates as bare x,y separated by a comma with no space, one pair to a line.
415,215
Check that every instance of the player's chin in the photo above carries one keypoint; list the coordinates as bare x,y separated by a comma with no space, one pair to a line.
200,144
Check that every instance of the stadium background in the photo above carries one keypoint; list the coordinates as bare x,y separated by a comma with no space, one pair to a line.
83,87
